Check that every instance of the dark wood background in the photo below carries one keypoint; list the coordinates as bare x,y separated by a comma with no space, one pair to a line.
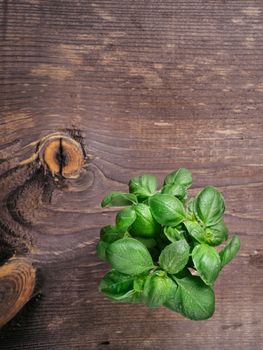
144,86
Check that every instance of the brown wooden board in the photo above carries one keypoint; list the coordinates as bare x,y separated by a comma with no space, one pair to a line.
143,86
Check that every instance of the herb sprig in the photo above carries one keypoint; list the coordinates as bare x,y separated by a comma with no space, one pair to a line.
162,245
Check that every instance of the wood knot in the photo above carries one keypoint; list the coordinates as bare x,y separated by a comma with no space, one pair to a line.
62,155
17,283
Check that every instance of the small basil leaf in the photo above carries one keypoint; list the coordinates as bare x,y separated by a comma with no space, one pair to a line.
125,218
207,262
101,249
129,256
230,250
132,297
181,176
119,287
138,283
209,206
173,234
190,206
167,209
158,289
193,299
144,225
216,234
110,234
212,235
118,199
195,230
115,283
143,186
175,190
174,257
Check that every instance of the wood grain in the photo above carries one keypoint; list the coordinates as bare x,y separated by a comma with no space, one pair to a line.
17,283
141,86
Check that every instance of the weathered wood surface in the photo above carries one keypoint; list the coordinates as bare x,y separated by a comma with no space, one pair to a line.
143,86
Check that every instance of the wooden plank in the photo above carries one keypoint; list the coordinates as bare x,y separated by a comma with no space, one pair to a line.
143,86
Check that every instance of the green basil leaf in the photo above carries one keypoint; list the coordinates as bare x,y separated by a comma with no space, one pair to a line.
101,249
175,190
119,287
207,262
195,230
110,234
129,256
118,199
138,283
212,235
190,206
143,186
181,176
158,289
167,209
115,283
131,297
216,234
209,206
125,219
173,234
144,225
230,250
174,257
193,299
190,210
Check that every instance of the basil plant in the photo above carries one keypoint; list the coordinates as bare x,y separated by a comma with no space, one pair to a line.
163,245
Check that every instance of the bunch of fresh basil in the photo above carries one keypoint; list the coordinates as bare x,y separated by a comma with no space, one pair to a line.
162,246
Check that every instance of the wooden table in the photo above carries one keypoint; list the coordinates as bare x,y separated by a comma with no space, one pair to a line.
141,86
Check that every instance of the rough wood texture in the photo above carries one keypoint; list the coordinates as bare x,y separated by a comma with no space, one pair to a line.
142,86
